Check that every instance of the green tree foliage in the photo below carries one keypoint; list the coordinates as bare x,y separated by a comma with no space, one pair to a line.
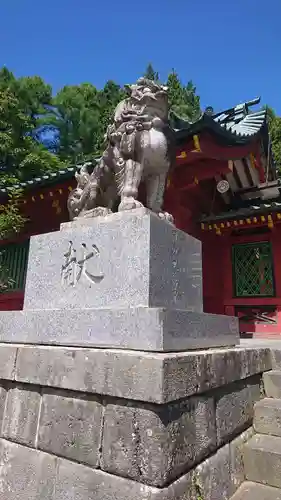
274,123
81,114
151,74
22,156
110,96
11,222
183,99
75,114
41,133
11,219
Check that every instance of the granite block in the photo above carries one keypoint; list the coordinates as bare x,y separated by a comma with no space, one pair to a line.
8,355
154,445
21,415
272,383
276,358
124,374
3,395
262,460
145,329
256,491
212,478
253,360
26,474
267,417
151,377
124,260
70,426
75,481
190,373
236,448
235,407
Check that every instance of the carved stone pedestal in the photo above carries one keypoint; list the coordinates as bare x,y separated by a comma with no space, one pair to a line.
129,280
88,410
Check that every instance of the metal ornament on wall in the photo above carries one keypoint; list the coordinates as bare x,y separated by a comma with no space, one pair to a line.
222,186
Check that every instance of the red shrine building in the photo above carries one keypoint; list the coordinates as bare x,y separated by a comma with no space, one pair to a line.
223,190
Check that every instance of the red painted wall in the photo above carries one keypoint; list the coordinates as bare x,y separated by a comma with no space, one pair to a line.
46,209
218,280
213,255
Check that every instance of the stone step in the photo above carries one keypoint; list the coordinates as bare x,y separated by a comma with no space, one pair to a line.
267,417
276,358
272,383
262,460
255,491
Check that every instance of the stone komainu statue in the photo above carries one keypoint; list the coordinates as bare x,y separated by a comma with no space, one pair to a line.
139,148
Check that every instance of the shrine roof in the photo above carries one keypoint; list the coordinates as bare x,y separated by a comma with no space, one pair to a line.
41,181
244,212
237,125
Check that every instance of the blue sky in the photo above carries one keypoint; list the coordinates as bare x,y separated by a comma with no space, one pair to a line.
231,49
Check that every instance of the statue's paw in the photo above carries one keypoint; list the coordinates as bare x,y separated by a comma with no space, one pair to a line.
129,203
166,216
94,212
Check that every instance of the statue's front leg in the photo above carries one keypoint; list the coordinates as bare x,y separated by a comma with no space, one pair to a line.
130,189
155,188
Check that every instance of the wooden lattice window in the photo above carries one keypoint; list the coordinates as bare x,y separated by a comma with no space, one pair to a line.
253,273
13,266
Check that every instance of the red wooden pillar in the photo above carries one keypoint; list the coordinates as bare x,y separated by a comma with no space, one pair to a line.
276,252
212,255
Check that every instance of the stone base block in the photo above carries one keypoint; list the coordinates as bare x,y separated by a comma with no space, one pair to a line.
140,328
272,384
149,377
254,491
127,259
110,424
267,417
29,474
262,460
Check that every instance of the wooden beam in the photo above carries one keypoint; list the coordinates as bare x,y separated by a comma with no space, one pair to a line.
240,169
210,148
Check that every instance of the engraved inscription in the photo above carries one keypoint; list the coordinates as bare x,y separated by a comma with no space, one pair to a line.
80,263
